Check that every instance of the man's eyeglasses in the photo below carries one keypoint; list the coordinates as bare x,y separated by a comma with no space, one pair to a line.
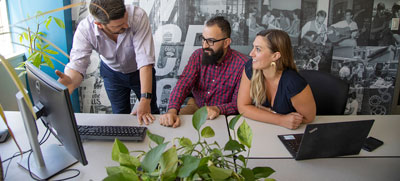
210,42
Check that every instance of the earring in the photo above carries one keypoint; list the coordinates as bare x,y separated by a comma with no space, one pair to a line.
273,64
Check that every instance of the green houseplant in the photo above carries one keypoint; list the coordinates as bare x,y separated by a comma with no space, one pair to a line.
187,160
39,51
35,41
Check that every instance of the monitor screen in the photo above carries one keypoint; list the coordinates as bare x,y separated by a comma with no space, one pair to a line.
52,100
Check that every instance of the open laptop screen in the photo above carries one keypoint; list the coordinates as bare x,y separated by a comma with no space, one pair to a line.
325,140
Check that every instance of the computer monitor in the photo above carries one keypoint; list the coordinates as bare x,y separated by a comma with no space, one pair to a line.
52,105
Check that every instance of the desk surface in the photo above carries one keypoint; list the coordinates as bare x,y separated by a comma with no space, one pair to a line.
332,169
98,153
266,148
267,145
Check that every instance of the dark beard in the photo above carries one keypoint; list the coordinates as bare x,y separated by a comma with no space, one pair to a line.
213,58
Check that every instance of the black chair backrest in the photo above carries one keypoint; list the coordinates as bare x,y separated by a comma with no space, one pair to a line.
330,92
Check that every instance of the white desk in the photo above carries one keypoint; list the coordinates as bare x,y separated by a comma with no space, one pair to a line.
332,169
98,153
267,145
381,164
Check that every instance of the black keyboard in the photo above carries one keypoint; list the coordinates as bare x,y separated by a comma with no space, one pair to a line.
292,143
123,133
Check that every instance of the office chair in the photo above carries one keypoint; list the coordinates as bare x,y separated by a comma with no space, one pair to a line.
330,92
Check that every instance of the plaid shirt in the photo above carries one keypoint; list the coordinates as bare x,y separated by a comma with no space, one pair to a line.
211,85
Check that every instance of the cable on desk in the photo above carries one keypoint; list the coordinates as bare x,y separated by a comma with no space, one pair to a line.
44,138
63,171
68,170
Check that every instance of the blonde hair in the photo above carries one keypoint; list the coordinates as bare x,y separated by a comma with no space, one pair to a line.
277,41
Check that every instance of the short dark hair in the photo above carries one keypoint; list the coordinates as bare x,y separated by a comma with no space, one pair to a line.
380,6
104,11
222,23
321,13
348,11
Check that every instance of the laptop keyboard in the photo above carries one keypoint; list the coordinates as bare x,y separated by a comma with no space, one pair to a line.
291,142
109,133
295,143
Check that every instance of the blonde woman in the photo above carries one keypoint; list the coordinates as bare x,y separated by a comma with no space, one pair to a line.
271,90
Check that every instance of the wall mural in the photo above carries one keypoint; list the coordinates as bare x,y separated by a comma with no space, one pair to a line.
355,40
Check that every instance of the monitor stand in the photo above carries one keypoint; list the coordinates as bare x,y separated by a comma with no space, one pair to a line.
46,161
55,160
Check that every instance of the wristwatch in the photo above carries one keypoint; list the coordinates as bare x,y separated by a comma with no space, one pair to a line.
146,95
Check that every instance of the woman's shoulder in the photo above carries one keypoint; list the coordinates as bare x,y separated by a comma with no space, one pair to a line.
291,73
293,78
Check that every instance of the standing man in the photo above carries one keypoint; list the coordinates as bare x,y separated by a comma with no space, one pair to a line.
122,36
314,31
212,75
349,29
378,25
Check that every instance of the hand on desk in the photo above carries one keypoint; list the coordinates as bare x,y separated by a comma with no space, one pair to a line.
170,118
213,112
291,120
143,112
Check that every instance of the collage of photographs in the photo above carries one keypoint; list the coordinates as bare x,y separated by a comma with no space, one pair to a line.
355,40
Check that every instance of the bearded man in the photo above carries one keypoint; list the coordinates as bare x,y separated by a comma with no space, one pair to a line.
212,76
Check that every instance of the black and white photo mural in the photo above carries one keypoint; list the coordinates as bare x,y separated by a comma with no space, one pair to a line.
371,73
355,40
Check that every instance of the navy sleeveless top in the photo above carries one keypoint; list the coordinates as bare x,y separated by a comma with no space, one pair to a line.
290,84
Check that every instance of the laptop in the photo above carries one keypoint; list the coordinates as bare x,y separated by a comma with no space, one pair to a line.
325,140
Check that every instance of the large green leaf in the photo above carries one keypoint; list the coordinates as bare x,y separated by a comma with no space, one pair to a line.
245,134
247,174
241,158
217,152
262,172
51,51
118,147
219,173
154,137
185,142
233,122
46,46
128,160
203,165
190,163
48,21
152,157
233,145
121,173
38,59
199,118
59,22
25,34
207,132
48,61
169,164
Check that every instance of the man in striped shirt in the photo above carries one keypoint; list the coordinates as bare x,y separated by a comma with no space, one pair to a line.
212,75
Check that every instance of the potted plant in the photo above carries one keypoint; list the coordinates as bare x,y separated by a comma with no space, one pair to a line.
34,39
187,160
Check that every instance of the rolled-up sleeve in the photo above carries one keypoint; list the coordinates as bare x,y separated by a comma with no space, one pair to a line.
143,39
81,50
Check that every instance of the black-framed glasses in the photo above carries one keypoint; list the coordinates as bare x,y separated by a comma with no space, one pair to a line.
210,42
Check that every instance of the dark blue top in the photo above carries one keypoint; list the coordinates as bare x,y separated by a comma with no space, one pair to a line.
290,84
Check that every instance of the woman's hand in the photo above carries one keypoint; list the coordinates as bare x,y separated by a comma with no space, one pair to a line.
291,120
